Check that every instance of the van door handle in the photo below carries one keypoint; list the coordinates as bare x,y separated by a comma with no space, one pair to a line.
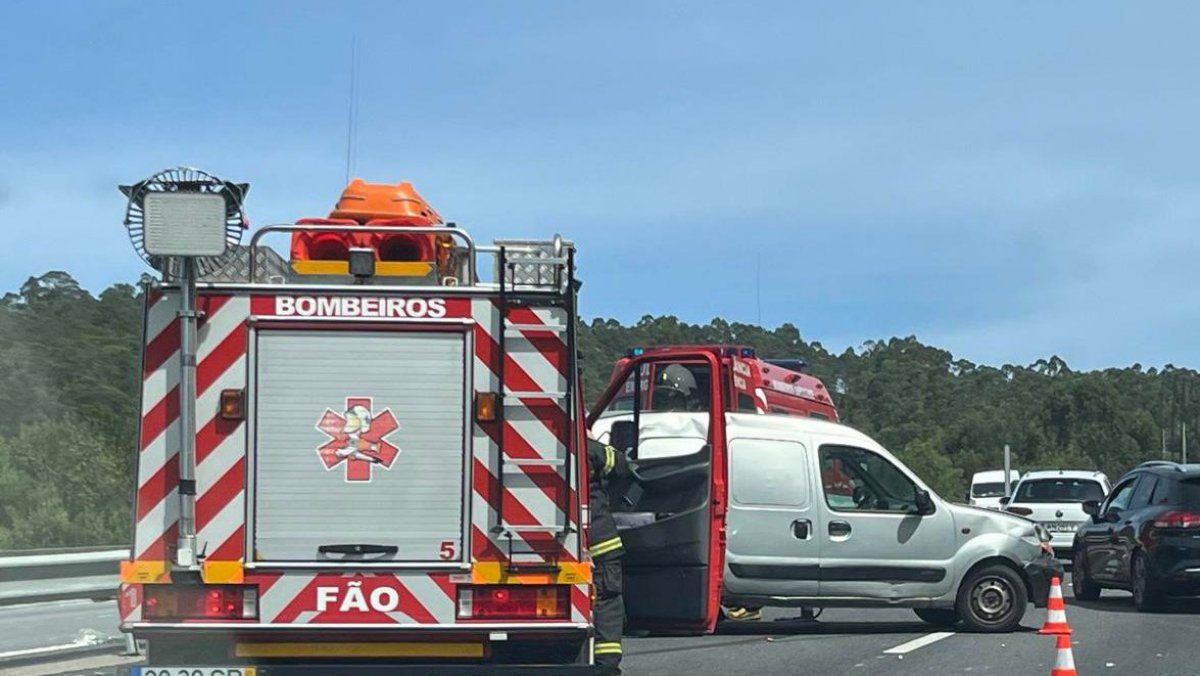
801,529
839,528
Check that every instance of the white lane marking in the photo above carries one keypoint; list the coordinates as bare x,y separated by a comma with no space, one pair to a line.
905,648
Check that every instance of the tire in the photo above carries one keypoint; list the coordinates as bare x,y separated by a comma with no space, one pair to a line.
1082,584
1147,598
938,617
992,600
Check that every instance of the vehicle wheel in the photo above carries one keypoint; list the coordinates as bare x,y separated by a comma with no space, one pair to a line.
938,617
992,599
1084,587
1146,596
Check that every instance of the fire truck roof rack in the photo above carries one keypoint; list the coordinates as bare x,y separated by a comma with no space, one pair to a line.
519,266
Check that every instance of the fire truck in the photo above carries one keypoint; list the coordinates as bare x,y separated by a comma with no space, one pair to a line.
374,461
751,384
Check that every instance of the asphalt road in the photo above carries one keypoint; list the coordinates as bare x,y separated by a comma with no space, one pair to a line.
58,623
1110,638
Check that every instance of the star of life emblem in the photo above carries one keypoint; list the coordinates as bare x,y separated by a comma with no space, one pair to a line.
358,439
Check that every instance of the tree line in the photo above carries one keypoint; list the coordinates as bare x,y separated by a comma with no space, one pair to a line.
70,363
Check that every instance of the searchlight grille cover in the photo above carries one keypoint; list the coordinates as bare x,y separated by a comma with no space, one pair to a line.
160,204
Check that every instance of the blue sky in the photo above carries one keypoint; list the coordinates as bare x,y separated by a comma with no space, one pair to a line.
1007,181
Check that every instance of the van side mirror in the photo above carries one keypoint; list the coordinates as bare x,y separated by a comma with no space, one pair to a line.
1090,507
1005,500
924,502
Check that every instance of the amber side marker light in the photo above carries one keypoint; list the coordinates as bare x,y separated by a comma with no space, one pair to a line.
233,405
485,406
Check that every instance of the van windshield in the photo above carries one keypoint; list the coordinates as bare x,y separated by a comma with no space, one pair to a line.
1059,490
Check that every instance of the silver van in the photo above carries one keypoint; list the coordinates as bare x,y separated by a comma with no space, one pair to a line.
741,509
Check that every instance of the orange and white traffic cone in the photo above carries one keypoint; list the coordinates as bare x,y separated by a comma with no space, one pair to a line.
1064,661
1056,615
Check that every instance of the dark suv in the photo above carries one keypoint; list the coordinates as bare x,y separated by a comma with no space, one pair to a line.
1145,537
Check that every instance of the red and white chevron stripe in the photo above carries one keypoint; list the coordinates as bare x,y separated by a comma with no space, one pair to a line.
535,361
220,444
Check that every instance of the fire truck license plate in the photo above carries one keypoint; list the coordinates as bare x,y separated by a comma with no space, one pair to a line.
192,671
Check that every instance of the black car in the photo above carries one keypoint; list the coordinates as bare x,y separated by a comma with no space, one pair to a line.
1145,537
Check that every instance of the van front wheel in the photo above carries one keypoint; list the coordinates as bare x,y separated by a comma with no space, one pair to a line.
992,599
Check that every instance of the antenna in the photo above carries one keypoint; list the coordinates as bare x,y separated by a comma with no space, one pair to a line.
352,110
758,285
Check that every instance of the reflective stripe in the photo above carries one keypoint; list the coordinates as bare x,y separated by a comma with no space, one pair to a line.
610,459
605,547
608,648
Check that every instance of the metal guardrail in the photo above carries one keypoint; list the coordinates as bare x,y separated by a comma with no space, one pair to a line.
35,576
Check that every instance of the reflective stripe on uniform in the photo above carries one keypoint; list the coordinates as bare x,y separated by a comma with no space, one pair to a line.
608,648
606,546
610,459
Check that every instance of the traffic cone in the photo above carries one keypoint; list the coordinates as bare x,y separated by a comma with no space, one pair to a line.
1056,615
1064,661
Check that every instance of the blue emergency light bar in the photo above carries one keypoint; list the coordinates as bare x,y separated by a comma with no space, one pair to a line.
719,350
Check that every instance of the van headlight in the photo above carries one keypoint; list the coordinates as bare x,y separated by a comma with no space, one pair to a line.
1040,538
1043,533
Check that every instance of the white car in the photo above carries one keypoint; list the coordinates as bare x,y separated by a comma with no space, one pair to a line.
1054,498
987,488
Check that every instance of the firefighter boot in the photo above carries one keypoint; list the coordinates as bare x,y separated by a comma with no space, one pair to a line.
744,614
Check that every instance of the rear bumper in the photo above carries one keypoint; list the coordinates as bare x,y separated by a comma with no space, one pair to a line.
1038,572
1063,543
1176,563
374,649
352,669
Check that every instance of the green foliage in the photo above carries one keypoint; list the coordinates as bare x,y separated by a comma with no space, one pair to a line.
69,374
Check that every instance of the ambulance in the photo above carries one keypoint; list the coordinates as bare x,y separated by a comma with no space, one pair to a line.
384,467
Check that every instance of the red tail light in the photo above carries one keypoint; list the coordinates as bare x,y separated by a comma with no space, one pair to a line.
210,602
1021,511
514,602
1178,519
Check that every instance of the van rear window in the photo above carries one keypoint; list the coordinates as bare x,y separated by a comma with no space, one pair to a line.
988,490
1059,490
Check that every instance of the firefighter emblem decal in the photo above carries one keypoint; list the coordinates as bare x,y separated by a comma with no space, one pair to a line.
358,439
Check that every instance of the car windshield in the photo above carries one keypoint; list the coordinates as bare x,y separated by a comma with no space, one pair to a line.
1059,490
988,490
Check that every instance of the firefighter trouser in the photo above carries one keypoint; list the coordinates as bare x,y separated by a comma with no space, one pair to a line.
608,614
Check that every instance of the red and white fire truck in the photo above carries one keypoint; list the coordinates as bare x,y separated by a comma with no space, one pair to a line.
751,384
386,468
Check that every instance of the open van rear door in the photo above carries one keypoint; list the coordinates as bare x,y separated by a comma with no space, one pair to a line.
671,511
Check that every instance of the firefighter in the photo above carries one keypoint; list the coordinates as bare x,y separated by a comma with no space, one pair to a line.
605,464
676,390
